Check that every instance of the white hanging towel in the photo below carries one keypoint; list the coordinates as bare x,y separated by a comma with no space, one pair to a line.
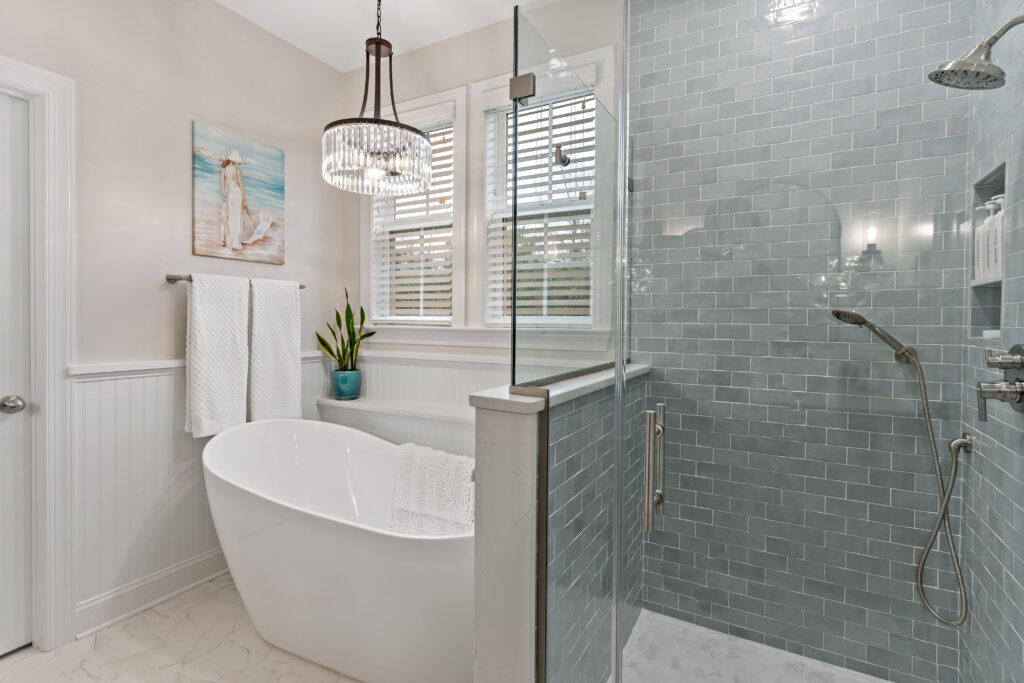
434,494
216,353
275,371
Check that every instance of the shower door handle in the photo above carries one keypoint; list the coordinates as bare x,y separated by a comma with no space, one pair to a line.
653,477
659,457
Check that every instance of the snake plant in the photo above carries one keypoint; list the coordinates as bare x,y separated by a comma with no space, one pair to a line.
347,338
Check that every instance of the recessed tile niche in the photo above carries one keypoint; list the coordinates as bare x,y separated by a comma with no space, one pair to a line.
986,280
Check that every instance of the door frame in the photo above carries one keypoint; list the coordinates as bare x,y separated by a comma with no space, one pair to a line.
51,100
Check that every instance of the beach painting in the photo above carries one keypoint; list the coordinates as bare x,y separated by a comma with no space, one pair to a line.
237,197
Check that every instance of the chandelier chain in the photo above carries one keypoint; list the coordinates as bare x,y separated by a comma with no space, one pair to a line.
378,18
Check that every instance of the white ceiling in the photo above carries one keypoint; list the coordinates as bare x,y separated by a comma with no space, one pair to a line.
334,31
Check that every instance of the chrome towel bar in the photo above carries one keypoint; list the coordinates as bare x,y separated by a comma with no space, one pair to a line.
176,277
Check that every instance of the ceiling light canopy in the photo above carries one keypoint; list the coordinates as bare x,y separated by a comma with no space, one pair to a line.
372,155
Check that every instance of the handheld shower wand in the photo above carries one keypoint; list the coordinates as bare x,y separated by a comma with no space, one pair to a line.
902,352
907,354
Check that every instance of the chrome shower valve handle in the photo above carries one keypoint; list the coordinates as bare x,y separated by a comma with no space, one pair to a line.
1004,361
1007,392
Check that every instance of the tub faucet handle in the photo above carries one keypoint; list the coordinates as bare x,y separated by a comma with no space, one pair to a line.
1008,392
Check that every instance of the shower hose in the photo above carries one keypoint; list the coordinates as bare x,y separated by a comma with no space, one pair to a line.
942,520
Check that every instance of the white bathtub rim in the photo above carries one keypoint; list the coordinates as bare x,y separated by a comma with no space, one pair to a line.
211,470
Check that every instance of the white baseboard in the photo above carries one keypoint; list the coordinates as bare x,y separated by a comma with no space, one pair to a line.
103,610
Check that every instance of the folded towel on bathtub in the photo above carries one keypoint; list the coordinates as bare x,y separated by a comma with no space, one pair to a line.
434,494
216,353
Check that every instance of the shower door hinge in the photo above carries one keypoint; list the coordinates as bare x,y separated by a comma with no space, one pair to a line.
522,87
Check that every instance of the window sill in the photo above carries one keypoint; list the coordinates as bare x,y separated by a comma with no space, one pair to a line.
425,335
493,337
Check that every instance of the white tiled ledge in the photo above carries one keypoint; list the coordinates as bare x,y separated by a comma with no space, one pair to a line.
500,399
451,416
563,392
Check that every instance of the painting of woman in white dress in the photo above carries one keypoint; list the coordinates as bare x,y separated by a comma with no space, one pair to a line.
238,197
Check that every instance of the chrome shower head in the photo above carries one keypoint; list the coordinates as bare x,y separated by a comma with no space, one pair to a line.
975,70
903,352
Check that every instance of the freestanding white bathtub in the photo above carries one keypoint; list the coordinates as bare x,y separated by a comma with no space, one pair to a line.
301,509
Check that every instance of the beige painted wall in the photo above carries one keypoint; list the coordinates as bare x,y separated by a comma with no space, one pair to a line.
448,64
572,27
144,69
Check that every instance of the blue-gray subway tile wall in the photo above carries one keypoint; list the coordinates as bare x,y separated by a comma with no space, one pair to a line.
581,496
773,144
631,466
992,640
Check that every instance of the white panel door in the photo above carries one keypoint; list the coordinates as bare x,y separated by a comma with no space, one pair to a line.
15,477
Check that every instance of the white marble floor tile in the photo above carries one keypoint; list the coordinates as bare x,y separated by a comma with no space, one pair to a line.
201,636
206,636
668,650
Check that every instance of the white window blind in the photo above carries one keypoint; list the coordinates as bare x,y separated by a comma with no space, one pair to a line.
412,245
555,211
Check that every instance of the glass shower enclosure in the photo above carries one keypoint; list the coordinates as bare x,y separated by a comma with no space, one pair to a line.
784,161
564,231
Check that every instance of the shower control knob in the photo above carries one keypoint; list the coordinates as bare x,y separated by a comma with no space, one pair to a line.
1004,361
1007,392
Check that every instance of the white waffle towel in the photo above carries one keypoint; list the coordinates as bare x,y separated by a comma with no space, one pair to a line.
216,353
275,357
434,493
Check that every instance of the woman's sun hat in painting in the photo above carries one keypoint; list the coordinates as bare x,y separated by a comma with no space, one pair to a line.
235,157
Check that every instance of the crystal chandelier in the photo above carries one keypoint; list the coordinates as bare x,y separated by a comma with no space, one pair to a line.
371,155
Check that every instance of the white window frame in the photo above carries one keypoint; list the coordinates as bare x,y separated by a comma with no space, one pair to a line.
550,322
468,329
445,122
425,111
596,68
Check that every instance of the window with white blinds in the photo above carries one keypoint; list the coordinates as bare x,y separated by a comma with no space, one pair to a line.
412,249
555,211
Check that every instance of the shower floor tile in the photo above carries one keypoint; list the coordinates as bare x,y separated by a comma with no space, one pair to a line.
665,649
204,634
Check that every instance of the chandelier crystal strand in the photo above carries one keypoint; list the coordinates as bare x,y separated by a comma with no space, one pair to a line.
372,155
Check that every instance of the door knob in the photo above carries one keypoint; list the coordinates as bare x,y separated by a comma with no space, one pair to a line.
12,404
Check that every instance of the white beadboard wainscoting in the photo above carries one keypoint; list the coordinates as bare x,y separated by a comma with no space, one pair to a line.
142,525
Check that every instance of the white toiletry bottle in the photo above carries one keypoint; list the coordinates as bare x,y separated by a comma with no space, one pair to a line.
990,239
977,243
984,246
998,235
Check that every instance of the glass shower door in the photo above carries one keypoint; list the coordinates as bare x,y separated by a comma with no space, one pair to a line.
552,257
552,271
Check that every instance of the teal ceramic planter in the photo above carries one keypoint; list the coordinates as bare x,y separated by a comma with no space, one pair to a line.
347,384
